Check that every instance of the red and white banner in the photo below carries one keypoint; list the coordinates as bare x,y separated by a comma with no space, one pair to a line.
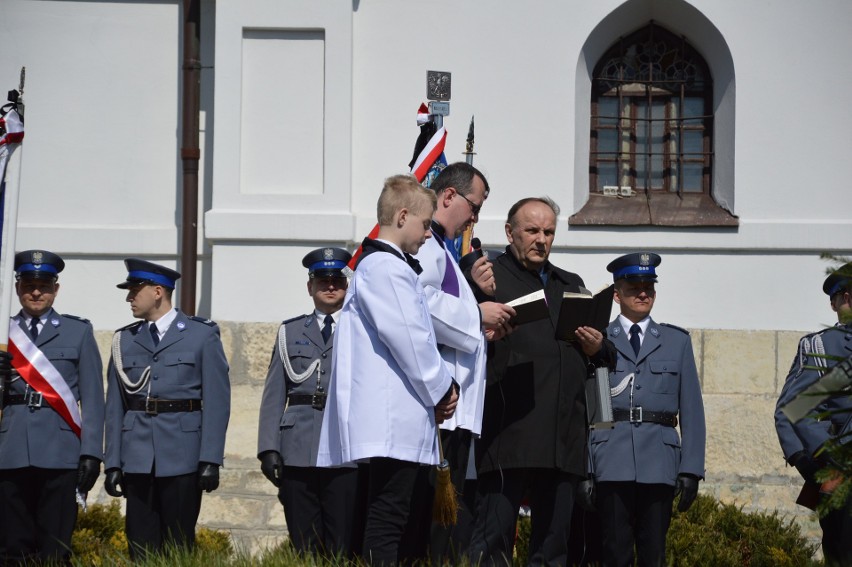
433,150
37,371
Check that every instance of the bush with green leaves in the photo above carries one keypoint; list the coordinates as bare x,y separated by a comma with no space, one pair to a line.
713,534
717,534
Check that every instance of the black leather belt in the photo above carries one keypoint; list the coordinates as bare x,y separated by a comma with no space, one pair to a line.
153,406
317,400
638,415
32,399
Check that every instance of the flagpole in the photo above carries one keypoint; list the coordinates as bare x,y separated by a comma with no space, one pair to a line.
467,235
10,226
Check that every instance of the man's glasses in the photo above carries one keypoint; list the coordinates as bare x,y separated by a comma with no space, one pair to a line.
474,208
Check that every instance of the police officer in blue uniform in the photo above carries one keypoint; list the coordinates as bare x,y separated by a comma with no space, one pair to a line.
640,464
816,354
167,410
319,503
51,433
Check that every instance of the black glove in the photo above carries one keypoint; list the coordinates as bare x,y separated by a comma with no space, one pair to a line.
5,366
806,465
687,487
271,466
114,483
87,472
586,494
208,477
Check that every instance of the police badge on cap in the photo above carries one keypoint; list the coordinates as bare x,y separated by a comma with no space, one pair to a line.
637,267
327,263
38,264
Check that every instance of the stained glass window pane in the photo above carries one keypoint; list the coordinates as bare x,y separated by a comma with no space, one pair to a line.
693,142
607,111
607,140
693,106
606,174
692,177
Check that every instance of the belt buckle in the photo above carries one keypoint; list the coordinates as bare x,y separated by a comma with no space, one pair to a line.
635,415
151,406
34,399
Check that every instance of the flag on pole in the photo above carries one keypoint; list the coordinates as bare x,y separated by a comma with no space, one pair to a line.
11,136
427,163
428,160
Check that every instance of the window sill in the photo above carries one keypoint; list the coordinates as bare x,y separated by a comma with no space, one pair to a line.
657,209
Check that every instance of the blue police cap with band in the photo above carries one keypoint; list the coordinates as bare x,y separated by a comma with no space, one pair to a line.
639,266
839,280
38,264
141,272
327,262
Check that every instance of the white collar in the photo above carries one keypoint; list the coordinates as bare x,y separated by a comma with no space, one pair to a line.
627,323
164,322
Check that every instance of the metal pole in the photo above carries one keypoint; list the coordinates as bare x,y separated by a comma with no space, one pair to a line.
190,152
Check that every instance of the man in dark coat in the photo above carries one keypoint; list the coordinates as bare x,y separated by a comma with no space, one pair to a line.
51,433
534,425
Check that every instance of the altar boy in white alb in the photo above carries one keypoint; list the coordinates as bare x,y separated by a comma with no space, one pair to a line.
389,387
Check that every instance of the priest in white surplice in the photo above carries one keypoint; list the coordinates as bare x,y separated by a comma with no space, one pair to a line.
460,324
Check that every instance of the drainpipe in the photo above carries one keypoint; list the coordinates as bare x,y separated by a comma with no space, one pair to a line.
190,152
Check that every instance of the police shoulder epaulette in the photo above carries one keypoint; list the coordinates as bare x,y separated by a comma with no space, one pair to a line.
130,326
296,318
81,319
681,329
202,320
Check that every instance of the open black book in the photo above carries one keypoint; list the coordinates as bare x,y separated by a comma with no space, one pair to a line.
528,308
584,310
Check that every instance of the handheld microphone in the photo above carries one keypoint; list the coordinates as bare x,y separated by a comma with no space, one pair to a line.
468,260
476,244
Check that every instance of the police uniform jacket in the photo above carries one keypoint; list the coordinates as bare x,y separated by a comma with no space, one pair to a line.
787,437
837,342
41,438
458,330
665,379
387,374
187,364
294,432
535,408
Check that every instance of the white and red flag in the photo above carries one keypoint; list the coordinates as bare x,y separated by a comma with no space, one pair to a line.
427,163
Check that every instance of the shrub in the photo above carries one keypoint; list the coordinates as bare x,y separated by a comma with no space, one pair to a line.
713,534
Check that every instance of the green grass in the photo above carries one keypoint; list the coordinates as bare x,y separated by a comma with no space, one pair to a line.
710,534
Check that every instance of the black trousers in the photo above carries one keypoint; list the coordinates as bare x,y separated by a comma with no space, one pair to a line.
38,510
584,539
837,536
551,499
633,513
448,544
392,485
161,511
320,506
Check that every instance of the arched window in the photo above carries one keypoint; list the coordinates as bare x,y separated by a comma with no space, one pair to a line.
651,148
